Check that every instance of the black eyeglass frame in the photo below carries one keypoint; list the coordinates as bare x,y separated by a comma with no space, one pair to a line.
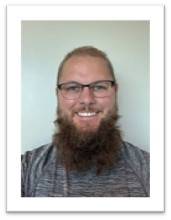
59,86
86,85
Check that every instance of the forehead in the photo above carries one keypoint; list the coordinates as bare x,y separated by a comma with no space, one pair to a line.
85,68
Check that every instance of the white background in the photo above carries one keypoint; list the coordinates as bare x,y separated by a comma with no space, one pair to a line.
2,126
45,43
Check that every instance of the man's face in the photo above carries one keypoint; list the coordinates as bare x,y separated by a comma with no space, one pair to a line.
87,111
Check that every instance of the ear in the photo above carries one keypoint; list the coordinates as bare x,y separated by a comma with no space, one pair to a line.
116,87
56,92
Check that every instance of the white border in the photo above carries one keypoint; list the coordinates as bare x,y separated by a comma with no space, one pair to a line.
15,14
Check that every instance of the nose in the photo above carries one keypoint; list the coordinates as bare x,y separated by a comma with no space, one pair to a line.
87,96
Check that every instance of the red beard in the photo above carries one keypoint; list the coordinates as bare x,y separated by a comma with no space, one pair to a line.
82,150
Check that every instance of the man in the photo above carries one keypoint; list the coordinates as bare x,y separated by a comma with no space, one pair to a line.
87,156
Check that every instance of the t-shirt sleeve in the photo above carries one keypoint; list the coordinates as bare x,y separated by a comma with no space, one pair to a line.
139,161
25,161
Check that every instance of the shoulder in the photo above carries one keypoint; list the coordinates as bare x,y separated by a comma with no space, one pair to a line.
136,157
138,161
37,155
33,164
135,153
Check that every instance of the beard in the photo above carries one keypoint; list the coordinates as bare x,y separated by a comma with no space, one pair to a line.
82,150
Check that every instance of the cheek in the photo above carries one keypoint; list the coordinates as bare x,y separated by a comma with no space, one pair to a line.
108,106
66,106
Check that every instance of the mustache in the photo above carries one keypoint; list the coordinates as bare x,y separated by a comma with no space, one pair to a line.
87,108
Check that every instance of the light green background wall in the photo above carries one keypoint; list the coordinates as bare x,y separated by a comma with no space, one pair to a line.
44,44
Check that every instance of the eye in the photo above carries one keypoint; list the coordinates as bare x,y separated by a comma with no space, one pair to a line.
72,88
99,87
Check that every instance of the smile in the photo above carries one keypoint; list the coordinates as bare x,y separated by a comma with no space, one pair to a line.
86,114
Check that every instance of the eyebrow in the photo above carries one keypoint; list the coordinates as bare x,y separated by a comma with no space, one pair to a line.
88,83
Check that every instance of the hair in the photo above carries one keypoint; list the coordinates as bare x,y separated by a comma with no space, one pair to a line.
82,150
86,51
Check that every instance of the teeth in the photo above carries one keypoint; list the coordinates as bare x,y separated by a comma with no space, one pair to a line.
86,114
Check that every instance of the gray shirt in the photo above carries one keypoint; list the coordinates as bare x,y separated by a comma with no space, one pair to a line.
43,176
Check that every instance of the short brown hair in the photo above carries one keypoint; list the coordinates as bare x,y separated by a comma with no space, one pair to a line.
86,51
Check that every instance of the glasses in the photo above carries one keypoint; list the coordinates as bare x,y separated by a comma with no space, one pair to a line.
100,89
